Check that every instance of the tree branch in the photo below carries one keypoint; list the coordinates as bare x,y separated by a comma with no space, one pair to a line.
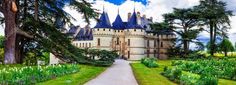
23,33
1,9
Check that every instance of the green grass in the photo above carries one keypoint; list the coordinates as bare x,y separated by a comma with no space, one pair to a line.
226,82
151,76
85,74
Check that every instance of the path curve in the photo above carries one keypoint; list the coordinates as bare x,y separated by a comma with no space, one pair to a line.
120,73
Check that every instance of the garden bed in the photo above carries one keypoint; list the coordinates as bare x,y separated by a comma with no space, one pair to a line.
202,72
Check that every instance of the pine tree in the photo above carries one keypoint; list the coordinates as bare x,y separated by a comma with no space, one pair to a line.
35,26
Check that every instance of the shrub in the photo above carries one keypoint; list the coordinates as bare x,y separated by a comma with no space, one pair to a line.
173,74
149,62
208,80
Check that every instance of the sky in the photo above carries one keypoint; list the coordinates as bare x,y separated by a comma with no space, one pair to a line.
151,8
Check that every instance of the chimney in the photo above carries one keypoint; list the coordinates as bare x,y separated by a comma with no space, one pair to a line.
144,16
129,16
139,18
138,15
151,19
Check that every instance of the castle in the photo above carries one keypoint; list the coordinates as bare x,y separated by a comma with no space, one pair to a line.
133,39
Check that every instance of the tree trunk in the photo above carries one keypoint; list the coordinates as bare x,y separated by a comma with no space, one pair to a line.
36,10
214,37
225,53
211,38
185,42
10,32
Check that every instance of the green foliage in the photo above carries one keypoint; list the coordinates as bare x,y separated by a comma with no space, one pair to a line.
1,55
181,21
149,62
31,58
172,74
226,46
223,68
215,15
207,80
30,75
2,39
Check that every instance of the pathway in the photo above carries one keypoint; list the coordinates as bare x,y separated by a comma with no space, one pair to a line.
120,73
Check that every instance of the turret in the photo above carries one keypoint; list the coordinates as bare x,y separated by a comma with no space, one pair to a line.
129,16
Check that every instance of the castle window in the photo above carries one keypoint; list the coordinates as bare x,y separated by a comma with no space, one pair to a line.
161,44
135,30
76,44
155,43
117,40
83,44
147,43
89,44
79,44
86,45
128,42
121,30
118,30
103,29
148,52
98,41
98,29
155,52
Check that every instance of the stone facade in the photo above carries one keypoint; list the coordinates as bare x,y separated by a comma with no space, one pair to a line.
133,39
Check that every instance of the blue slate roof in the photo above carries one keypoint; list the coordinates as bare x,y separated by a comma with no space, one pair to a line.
133,22
80,35
73,29
104,21
84,34
118,24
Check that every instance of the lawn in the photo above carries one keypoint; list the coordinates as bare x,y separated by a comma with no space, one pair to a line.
85,74
151,76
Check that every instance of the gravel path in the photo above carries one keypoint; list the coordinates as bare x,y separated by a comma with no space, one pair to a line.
120,73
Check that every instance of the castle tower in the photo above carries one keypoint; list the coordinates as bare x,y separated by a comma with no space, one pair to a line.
103,33
119,35
135,43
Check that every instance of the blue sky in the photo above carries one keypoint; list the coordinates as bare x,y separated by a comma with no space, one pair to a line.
119,2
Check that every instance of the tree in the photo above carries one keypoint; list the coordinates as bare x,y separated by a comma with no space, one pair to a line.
9,9
214,14
226,46
235,46
34,25
182,22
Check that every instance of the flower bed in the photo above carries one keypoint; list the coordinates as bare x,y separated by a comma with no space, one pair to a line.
201,72
223,68
29,75
187,78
